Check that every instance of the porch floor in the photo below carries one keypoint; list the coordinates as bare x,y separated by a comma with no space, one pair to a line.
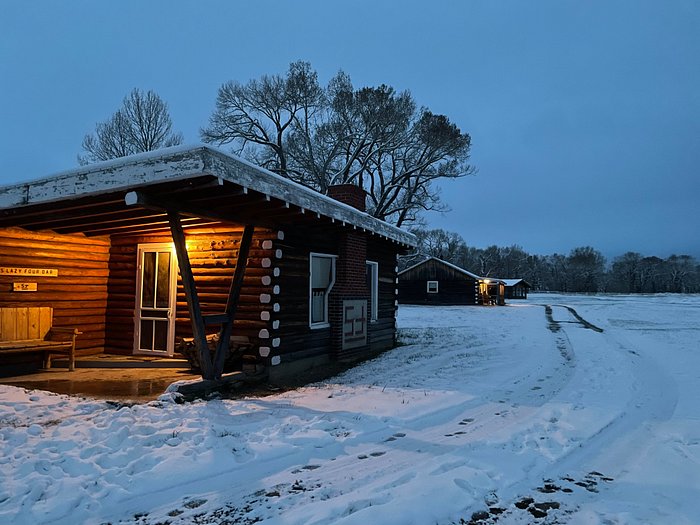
123,361
116,384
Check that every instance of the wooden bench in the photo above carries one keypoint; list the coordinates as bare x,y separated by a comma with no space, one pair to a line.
29,329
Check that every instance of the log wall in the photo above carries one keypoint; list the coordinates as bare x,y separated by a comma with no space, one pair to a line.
296,339
78,295
382,332
454,287
95,290
213,254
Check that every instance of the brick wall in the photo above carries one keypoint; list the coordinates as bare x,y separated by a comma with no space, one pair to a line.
350,272
350,283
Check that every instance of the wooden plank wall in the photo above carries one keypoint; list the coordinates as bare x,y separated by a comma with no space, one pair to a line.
25,322
454,287
297,340
213,253
382,332
78,294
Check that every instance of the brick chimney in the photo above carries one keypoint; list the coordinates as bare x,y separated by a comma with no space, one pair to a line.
349,299
349,194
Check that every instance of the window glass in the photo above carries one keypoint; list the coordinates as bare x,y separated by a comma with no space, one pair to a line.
149,279
373,287
321,281
146,342
321,272
432,287
163,289
160,339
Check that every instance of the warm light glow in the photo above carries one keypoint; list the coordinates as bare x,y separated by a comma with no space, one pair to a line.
487,281
189,244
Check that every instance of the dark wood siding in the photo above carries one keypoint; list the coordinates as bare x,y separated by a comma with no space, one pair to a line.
382,332
454,287
78,295
519,291
297,339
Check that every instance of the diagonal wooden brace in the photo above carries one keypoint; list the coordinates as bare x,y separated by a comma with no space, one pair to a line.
232,303
198,329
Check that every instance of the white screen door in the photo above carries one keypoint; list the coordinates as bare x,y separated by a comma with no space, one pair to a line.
154,330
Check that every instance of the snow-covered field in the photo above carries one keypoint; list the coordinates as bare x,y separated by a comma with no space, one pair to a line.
484,414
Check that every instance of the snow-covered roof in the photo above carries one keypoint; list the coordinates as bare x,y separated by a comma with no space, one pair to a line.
183,163
454,267
513,282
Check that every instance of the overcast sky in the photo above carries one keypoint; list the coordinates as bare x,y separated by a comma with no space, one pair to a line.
584,115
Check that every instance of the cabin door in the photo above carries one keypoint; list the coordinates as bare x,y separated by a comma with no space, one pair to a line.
156,287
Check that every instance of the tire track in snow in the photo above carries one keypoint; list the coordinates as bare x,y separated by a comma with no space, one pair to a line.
615,444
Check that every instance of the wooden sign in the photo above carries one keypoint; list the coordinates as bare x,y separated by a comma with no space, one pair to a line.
354,324
24,287
34,272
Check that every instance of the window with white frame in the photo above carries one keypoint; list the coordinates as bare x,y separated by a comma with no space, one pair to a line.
373,287
432,287
321,279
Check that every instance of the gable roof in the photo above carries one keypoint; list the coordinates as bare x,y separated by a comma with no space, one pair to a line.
453,266
185,164
513,282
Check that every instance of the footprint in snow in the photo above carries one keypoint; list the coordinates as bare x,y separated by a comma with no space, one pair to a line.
395,436
373,454
465,421
194,503
305,467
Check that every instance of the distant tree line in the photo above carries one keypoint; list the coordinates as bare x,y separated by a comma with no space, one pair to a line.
584,269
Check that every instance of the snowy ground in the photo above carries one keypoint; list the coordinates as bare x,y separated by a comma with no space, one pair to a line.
484,415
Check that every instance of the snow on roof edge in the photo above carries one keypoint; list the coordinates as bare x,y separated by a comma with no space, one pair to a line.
49,188
513,282
453,266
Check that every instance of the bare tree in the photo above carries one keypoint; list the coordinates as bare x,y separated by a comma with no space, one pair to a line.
257,117
141,124
372,137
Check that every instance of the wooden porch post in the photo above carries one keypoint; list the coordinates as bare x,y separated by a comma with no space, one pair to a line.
183,261
232,303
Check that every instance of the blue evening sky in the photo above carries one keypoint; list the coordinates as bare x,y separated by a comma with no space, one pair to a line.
584,115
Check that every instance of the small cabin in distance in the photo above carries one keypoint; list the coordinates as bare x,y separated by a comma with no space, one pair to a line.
516,288
434,281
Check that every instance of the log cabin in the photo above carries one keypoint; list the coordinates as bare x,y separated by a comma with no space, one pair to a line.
185,243
516,288
438,282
